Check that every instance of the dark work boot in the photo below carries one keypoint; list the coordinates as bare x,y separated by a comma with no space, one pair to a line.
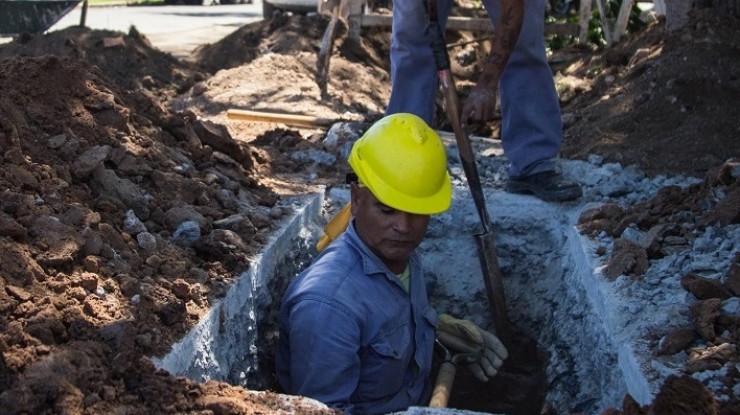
547,185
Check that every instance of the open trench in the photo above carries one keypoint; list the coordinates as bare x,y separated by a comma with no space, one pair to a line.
564,353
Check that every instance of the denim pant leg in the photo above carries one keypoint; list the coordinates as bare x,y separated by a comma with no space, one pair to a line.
531,128
414,78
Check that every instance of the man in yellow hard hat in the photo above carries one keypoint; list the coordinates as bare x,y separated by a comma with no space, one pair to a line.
357,331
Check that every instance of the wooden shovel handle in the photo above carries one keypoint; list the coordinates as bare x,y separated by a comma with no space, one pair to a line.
288,119
443,387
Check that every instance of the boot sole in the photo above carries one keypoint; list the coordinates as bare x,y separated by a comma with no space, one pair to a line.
563,195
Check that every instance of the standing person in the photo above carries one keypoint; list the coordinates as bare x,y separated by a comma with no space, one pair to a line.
531,128
356,328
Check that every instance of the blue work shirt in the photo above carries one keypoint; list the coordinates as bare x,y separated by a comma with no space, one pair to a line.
352,337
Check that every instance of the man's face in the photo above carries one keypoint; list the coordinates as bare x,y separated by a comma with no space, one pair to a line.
391,234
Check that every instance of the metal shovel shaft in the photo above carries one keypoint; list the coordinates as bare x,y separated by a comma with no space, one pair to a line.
493,281
492,277
486,246
467,156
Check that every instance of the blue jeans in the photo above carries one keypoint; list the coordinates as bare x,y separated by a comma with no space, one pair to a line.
531,126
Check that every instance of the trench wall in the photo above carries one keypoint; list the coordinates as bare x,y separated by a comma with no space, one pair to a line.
553,288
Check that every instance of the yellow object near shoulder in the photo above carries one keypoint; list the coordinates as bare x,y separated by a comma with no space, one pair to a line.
335,227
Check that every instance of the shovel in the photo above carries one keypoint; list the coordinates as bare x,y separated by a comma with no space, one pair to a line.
447,371
327,43
486,246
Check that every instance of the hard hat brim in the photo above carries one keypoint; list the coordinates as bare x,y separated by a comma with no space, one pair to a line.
427,205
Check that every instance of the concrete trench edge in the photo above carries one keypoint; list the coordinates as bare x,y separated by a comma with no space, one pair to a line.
215,348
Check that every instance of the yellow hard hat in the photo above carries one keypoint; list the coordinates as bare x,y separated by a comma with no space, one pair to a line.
403,163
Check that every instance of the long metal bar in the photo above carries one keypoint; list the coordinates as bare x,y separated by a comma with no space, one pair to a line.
492,277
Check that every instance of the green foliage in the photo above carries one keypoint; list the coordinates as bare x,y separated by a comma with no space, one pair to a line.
477,4
567,11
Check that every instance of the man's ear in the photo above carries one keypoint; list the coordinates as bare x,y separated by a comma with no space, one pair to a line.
355,197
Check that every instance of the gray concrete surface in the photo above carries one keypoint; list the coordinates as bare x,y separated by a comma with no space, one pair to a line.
174,29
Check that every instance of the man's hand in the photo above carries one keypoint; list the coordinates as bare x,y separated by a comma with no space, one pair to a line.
481,102
479,106
464,336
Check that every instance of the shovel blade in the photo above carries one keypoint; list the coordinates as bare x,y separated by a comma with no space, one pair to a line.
494,284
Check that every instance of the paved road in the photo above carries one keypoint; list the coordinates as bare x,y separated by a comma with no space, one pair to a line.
174,29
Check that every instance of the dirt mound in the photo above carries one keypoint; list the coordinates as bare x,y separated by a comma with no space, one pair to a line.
127,59
120,224
668,104
129,201
285,35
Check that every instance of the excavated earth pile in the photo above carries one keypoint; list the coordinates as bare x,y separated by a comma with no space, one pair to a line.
129,202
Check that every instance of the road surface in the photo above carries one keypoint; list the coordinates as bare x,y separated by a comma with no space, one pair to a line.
174,29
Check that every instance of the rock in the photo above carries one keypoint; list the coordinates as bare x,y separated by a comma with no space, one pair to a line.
176,216
711,358
146,241
91,263
17,204
181,289
259,218
703,315
727,174
684,395
56,141
187,234
732,280
78,293
63,243
605,211
10,228
22,176
18,293
675,340
704,288
172,313
179,185
173,268
79,216
89,281
132,224
218,137
89,160
126,191
112,237
238,223
128,284
727,211
93,242
628,258
129,165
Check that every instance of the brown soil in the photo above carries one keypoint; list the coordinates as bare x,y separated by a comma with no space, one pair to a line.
109,144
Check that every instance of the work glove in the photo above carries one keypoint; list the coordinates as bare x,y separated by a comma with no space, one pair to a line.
464,336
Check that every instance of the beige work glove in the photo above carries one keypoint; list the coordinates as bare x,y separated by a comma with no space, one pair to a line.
464,336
